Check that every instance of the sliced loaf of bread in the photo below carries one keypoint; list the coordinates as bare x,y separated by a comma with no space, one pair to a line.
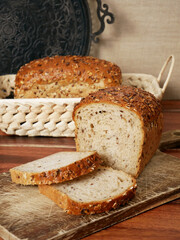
123,125
99,191
55,168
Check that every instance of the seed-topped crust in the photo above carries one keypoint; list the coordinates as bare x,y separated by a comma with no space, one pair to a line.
65,71
135,99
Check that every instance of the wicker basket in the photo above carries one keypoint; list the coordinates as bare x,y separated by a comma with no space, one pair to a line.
53,117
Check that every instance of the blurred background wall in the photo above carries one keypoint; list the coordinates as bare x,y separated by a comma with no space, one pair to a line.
143,35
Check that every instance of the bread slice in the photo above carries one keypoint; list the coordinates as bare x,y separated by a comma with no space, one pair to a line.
58,167
123,125
99,191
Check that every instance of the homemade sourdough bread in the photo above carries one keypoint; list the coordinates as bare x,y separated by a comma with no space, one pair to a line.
123,125
65,77
58,167
97,192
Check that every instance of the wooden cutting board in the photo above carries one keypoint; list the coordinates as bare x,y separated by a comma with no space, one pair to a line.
26,214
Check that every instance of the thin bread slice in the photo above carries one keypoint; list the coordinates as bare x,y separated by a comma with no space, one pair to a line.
55,168
99,191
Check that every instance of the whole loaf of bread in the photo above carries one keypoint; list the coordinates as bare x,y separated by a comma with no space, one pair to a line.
65,77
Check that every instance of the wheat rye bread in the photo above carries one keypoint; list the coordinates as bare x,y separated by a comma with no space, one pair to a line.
55,168
65,77
123,125
99,191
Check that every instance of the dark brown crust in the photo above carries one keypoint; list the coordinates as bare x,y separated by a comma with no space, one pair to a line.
78,208
66,70
72,171
144,104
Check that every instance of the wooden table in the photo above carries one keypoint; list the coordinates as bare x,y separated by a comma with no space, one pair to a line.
160,223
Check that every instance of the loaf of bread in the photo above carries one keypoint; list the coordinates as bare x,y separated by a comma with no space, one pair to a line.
56,168
65,77
99,191
123,125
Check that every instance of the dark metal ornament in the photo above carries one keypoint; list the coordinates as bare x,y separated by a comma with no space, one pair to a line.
31,29
102,13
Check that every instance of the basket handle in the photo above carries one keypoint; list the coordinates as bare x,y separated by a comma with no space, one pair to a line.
172,59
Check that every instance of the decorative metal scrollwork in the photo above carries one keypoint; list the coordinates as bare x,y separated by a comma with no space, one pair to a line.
31,29
102,13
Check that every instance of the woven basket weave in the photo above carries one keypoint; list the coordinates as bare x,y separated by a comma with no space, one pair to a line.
53,117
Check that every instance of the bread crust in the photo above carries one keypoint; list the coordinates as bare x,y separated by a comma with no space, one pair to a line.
144,104
74,170
134,99
81,208
151,140
65,76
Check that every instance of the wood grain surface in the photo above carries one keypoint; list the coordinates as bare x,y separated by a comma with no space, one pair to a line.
160,223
